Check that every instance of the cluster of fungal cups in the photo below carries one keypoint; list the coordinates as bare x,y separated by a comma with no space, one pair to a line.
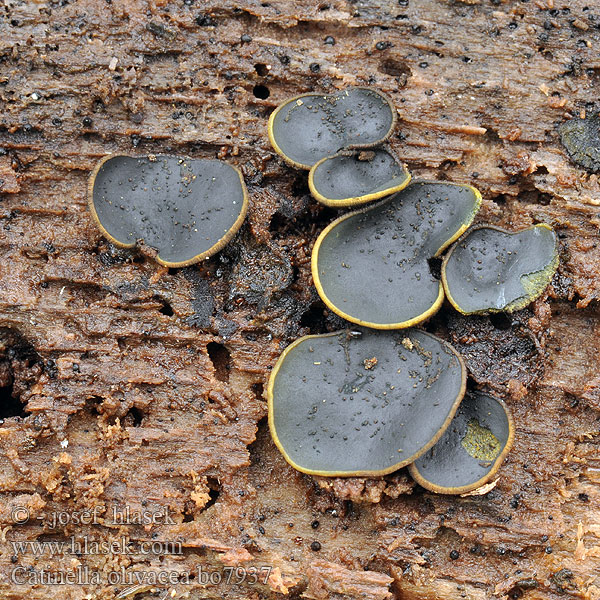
382,395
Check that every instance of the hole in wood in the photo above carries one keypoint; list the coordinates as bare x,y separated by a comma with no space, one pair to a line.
221,360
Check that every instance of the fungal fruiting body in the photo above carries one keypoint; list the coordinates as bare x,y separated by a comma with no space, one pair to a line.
354,178
581,138
363,404
307,128
371,266
493,270
185,209
471,450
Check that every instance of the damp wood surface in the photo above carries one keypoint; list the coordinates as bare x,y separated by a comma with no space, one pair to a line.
143,386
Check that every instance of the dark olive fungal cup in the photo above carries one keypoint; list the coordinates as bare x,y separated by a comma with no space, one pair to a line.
307,128
492,270
581,138
351,179
471,450
371,266
364,402
186,209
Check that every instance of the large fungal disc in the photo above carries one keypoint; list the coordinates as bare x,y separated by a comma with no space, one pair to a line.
362,403
492,270
371,266
350,179
184,209
471,450
310,127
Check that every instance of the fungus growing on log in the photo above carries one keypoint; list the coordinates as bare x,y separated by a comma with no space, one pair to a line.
492,270
363,403
307,128
371,266
354,178
183,209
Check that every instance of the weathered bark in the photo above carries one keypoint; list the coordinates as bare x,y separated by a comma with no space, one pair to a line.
143,387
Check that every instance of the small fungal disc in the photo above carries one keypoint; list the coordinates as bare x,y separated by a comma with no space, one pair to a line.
492,270
581,138
470,451
362,403
371,266
310,127
350,180
185,209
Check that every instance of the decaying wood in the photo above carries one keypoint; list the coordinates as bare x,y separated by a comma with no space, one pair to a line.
144,387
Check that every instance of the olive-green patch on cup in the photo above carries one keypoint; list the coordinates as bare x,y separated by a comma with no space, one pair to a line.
471,450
